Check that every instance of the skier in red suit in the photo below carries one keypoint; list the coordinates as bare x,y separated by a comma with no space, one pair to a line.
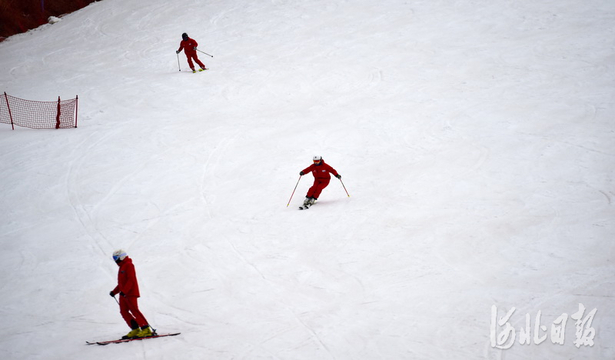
189,46
322,175
128,288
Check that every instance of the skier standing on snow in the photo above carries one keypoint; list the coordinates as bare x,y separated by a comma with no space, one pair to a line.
321,172
189,46
128,288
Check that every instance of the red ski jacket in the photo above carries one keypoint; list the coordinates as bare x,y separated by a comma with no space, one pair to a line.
127,279
188,46
320,171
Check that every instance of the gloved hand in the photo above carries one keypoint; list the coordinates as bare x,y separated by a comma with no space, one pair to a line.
338,176
177,51
194,48
301,173
122,294
112,293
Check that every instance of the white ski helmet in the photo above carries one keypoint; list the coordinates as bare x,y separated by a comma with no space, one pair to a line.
317,158
119,255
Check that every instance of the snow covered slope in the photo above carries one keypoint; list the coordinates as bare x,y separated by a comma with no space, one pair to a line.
476,139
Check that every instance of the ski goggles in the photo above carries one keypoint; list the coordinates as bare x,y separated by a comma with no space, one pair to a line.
117,257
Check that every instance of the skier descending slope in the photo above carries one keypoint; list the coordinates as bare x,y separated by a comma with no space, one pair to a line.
128,288
322,175
189,46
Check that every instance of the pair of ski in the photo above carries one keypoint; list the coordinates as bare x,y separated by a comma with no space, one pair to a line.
305,206
118,341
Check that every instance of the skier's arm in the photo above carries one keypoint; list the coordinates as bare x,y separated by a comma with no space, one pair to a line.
333,171
306,170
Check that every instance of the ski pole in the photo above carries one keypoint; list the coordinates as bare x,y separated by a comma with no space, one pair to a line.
204,52
344,186
291,195
116,300
180,68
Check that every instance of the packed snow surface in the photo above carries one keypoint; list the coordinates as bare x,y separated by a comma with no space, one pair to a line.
476,140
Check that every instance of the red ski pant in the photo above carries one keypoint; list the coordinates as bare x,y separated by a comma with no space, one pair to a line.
319,185
129,308
193,56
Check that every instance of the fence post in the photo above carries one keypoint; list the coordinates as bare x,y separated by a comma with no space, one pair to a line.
76,108
6,98
58,115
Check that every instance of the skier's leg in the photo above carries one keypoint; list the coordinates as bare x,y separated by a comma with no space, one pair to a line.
320,185
133,307
130,320
125,312
312,189
196,59
190,61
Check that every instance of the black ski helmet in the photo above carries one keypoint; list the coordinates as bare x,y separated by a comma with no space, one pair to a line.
185,36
